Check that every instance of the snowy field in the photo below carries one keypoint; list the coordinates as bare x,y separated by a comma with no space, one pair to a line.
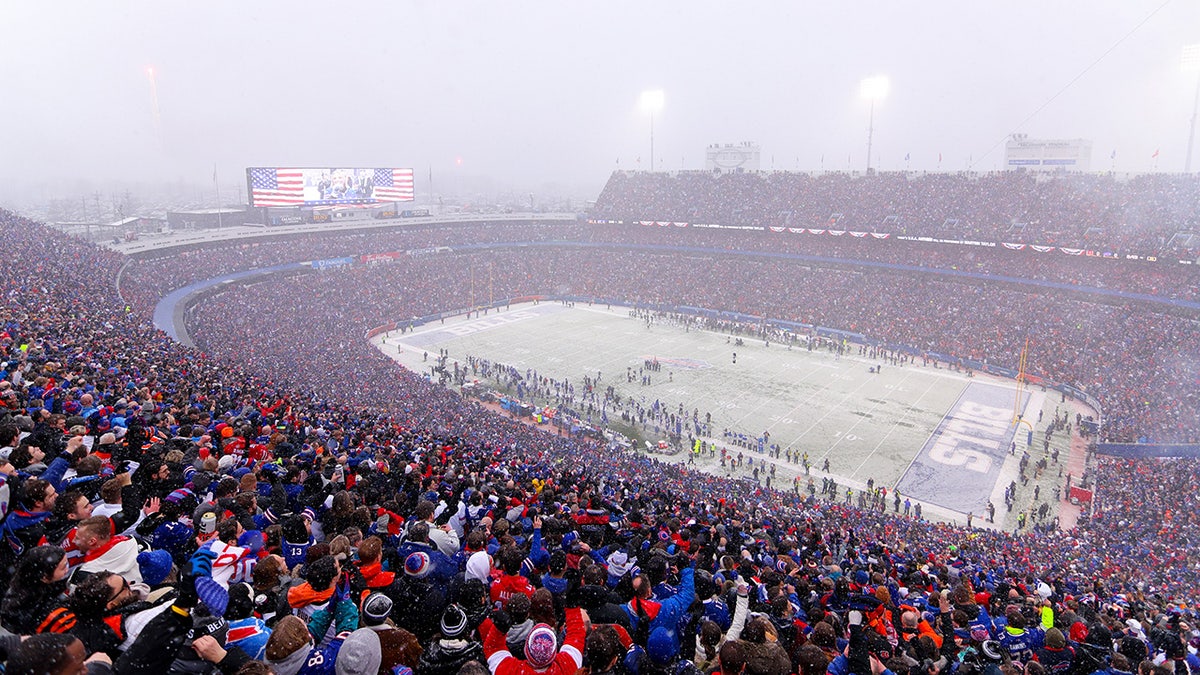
942,436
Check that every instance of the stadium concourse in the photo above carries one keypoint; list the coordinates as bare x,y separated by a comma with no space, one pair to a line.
289,500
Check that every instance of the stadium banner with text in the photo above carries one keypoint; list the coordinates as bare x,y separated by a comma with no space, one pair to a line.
330,263
960,462
289,187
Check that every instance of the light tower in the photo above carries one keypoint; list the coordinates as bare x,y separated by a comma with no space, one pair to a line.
652,102
873,89
1189,62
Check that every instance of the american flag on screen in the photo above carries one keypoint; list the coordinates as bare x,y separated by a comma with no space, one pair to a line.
276,187
393,185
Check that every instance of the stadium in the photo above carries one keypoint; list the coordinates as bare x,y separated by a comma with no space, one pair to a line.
732,420
1087,329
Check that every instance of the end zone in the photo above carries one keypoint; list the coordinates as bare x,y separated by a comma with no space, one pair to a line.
959,464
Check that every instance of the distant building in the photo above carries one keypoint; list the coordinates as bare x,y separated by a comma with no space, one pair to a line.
1033,154
126,229
203,219
732,157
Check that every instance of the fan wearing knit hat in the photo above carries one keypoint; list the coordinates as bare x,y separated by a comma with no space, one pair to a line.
375,609
417,565
455,648
246,631
541,646
454,622
542,653
419,597
155,566
398,647
661,648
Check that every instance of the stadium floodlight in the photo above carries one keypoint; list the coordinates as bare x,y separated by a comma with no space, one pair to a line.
1189,62
155,113
873,89
652,102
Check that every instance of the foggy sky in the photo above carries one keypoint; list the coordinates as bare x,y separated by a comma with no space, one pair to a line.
533,93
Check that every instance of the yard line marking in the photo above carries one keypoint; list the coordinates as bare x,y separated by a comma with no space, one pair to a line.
893,427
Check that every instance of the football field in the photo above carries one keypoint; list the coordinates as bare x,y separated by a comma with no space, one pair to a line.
940,436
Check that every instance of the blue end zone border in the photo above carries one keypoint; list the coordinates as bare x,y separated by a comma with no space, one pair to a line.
959,464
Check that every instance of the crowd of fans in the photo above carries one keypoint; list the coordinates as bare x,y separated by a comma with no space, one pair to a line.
1165,279
290,501
1141,214
143,282
1132,356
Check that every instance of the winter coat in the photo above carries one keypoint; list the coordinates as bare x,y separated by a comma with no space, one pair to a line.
418,607
766,658
25,617
603,606
446,657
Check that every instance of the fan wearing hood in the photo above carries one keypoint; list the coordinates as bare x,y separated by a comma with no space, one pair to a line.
479,566
619,564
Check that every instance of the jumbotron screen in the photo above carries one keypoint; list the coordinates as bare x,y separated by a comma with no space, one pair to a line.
274,186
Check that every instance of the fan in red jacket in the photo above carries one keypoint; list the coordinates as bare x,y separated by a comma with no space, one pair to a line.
511,583
542,654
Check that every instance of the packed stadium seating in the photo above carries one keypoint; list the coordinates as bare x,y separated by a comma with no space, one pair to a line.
1142,214
291,478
